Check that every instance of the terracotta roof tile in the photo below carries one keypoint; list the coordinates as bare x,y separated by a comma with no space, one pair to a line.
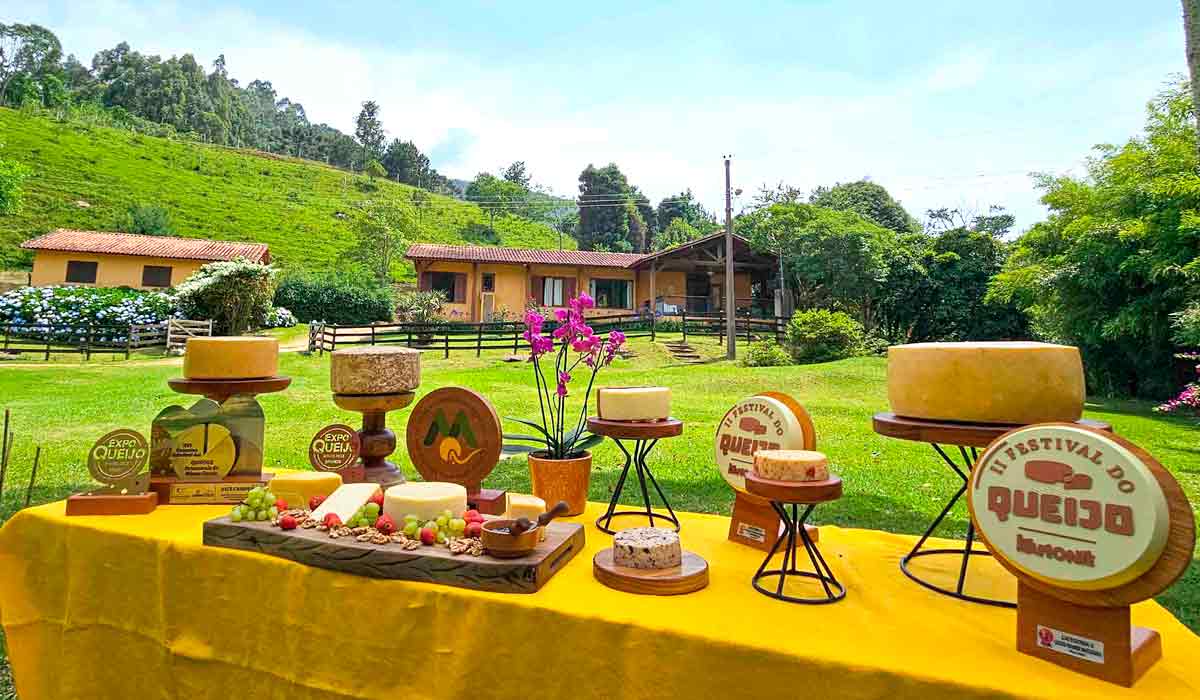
70,241
520,256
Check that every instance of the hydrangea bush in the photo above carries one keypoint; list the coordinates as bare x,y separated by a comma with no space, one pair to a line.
1188,400
279,317
28,310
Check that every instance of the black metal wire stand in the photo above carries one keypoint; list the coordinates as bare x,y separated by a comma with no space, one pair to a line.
793,523
637,460
965,552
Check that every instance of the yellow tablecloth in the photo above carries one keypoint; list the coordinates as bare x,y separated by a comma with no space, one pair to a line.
135,607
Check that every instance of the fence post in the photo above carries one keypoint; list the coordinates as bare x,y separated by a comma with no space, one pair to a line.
410,336
446,342
516,339
86,351
49,332
653,316
372,334
128,341
683,323
478,339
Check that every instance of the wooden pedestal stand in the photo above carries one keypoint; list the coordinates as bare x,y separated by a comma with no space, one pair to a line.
377,441
232,488
1073,614
454,435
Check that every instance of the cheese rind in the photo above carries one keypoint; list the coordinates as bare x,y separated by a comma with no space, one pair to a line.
375,369
997,382
234,357
633,403
791,465
345,501
424,499
299,488
647,548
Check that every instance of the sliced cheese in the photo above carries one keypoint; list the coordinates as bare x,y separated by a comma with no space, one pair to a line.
647,548
299,488
521,505
997,382
424,499
375,369
345,501
633,403
791,465
240,357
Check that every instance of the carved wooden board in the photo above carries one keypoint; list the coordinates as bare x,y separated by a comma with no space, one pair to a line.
429,564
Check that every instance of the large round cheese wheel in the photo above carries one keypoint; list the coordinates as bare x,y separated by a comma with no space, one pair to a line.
234,357
424,499
633,403
998,382
755,423
374,369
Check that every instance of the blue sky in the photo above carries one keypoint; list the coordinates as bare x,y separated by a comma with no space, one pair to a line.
944,103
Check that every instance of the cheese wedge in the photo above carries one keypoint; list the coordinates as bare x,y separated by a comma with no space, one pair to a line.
633,403
375,369
997,382
240,357
299,488
424,499
345,501
522,505
791,465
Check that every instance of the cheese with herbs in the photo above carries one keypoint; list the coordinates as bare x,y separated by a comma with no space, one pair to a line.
371,370
424,499
633,403
791,465
345,501
647,548
298,488
993,382
235,357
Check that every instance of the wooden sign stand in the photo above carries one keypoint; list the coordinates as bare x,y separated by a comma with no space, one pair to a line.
377,442
454,435
116,461
337,449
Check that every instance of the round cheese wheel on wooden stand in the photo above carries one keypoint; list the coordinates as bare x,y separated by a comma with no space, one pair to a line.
372,370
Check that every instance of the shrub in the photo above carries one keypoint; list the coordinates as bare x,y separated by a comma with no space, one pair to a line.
420,307
766,353
83,306
235,294
146,218
1187,326
335,299
820,335
280,317
11,176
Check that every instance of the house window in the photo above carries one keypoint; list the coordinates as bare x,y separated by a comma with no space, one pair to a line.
489,281
443,282
81,272
451,285
612,294
156,276
552,291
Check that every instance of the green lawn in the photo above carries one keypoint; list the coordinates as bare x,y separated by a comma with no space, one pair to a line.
890,485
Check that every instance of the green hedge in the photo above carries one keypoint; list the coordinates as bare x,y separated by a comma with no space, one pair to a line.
821,335
334,300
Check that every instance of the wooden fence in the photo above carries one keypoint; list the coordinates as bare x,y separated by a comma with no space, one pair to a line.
178,330
83,340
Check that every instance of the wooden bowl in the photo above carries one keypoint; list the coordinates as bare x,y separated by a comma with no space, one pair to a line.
502,545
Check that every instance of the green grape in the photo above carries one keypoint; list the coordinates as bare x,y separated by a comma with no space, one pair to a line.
371,510
272,513
458,525
441,538
411,529
411,518
431,525
236,515
442,521
268,497
260,515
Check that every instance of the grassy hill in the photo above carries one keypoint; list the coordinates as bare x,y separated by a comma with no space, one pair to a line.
86,177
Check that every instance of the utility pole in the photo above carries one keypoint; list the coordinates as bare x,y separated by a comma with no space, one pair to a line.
730,299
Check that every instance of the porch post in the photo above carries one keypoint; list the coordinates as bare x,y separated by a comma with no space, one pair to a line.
473,293
653,289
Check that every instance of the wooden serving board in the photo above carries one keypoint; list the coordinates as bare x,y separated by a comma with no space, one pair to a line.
524,574
691,575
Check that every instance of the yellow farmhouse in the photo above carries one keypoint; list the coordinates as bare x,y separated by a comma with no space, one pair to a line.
127,259
481,283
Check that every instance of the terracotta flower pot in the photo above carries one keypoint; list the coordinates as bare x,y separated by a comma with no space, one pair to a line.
557,480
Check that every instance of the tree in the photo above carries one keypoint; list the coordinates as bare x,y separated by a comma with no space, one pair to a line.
495,194
603,216
676,233
235,294
27,49
1191,32
375,169
870,201
1118,254
381,229
779,194
517,174
150,219
684,206
368,129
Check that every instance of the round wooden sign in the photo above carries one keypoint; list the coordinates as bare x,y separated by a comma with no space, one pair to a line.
1081,514
334,448
118,456
454,435
766,421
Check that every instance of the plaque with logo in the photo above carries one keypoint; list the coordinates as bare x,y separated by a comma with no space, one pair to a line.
454,435
336,448
1089,523
117,461
766,421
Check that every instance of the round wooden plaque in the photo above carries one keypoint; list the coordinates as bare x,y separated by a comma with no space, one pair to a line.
691,575
334,448
1081,515
765,421
118,456
454,435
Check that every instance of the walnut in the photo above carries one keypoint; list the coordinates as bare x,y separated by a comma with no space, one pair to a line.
308,523
358,530
379,538
465,545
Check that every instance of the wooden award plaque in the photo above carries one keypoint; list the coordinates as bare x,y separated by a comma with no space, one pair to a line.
454,435
116,461
336,448
1089,523
766,421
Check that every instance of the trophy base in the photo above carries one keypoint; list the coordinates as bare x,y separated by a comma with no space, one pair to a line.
228,491
112,504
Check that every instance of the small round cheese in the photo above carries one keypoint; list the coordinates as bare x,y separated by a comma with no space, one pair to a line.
371,370
234,357
633,403
424,499
995,382
647,548
791,465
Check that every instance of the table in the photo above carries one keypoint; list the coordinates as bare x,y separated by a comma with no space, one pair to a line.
968,438
136,607
645,435
786,497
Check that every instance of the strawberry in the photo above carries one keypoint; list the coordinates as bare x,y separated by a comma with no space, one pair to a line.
332,520
288,522
472,515
474,528
281,504
315,502
385,524
428,536
376,498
